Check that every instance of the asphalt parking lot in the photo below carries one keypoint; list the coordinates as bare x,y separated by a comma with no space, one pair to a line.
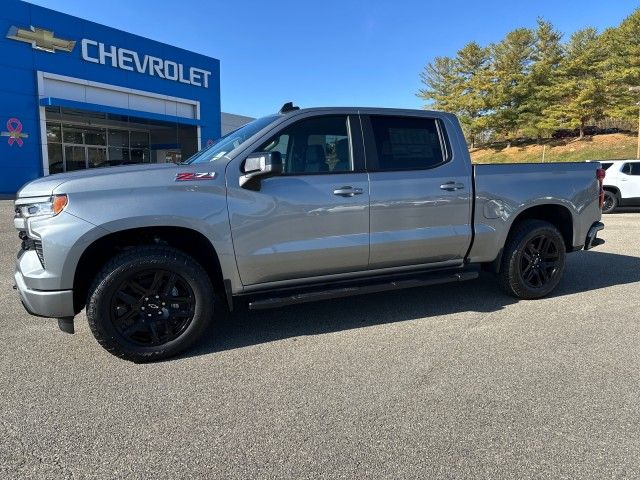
453,381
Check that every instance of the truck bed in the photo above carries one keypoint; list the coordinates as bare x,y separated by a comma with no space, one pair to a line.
504,191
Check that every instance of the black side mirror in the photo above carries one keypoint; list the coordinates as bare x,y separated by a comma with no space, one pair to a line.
260,165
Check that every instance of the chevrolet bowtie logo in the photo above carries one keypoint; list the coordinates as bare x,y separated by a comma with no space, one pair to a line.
40,39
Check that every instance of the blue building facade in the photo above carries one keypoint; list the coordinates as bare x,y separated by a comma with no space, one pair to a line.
75,94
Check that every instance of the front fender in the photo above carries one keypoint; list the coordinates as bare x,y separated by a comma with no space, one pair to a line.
198,207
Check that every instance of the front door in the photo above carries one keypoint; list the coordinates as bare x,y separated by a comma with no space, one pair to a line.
420,193
312,220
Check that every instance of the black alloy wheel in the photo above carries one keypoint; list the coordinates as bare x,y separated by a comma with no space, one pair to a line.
152,307
540,261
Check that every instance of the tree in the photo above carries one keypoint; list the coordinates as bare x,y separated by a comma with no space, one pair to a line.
531,83
442,84
510,89
621,67
579,92
547,57
473,84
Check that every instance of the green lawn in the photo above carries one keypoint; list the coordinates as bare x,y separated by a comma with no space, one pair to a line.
598,147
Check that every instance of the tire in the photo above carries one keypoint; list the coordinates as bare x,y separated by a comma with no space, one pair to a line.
533,260
150,303
610,202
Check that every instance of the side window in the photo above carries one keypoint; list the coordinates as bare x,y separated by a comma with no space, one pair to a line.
632,168
406,143
314,145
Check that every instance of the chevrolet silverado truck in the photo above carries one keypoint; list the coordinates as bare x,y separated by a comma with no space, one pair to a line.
298,206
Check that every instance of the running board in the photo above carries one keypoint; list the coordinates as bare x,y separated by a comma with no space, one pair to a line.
369,287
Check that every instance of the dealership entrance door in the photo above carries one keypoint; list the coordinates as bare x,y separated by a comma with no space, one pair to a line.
80,139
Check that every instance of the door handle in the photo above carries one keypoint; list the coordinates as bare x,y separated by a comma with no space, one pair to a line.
451,186
347,191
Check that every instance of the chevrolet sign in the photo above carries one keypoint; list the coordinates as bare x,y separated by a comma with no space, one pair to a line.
117,57
97,52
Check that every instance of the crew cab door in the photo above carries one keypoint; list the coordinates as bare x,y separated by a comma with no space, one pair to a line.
311,220
629,180
420,191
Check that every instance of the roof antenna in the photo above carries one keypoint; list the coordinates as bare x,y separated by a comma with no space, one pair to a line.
288,107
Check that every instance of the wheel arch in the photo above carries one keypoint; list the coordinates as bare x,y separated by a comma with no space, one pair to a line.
190,241
556,214
611,188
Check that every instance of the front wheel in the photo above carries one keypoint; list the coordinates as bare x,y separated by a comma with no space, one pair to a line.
533,260
610,202
150,303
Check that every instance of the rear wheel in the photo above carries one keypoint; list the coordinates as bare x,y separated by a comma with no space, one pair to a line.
533,261
150,303
610,202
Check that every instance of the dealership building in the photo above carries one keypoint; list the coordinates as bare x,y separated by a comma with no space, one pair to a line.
75,94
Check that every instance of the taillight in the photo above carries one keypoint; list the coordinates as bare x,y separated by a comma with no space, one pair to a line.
600,174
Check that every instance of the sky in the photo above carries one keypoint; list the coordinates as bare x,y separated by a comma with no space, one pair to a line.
332,52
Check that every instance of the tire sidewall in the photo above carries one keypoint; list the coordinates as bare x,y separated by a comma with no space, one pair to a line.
100,304
518,285
614,199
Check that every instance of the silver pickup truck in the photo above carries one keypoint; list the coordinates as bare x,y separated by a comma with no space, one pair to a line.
298,206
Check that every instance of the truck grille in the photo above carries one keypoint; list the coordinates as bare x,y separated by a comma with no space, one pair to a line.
32,244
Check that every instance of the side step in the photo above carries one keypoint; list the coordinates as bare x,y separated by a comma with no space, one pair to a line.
366,286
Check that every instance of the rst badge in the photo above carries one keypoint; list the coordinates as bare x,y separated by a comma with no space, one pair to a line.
189,176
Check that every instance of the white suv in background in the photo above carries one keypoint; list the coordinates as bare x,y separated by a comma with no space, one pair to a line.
621,184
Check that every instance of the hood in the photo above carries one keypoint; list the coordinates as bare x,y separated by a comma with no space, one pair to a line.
46,185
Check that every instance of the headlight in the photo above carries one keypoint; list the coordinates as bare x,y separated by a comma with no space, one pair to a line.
40,207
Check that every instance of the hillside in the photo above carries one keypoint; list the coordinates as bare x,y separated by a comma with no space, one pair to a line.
597,147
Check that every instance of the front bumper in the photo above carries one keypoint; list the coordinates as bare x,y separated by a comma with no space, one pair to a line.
43,303
44,274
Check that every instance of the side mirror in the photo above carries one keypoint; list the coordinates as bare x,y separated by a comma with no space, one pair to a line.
260,165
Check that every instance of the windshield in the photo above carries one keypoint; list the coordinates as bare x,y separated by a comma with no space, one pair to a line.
231,141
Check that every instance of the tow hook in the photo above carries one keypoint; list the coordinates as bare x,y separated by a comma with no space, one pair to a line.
66,324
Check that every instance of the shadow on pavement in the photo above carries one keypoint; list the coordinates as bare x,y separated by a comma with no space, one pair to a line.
620,210
586,271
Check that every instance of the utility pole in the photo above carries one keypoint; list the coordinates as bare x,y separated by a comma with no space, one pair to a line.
638,150
637,89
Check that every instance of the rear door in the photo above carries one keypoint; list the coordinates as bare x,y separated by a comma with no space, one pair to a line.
420,191
629,183
312,220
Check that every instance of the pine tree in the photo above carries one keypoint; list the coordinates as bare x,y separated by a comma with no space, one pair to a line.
579,92
473,82
442,84
621,67
512,59
547,58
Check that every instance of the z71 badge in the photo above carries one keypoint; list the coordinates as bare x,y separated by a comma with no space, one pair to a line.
188,176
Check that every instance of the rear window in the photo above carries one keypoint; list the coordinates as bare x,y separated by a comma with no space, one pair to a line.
406,143
606,165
